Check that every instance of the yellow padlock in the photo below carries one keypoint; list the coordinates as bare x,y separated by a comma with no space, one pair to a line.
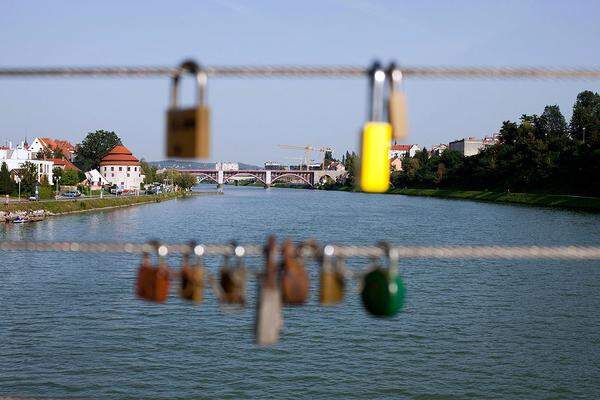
376,140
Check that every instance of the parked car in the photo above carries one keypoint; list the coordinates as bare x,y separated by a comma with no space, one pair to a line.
33,198
71,194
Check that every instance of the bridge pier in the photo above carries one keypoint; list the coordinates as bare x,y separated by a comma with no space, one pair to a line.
267,179
220,181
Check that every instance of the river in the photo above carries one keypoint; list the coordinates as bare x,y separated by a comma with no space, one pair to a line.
70,326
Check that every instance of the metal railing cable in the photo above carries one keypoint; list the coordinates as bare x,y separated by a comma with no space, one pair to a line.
442,252
294,71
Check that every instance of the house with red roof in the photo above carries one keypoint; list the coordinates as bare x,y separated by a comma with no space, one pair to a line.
120,167
65,147
63,164
403,150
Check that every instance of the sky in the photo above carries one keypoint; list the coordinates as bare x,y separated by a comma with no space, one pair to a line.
250,117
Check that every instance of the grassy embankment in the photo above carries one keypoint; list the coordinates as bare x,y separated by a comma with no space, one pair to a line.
545,200
79,205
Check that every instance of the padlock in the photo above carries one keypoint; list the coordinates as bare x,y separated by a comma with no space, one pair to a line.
294,278
383,290
146,277
332,281
268,320
188,129
376,140
397,113
163,275
233,279
192,277
153,283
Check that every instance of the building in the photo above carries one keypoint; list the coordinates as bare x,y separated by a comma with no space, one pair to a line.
40,144
227,166
438,149
63,164
396,164
402,150
94,179
17,156
119,167
471,146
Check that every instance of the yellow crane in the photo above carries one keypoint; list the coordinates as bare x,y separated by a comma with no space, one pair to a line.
307,152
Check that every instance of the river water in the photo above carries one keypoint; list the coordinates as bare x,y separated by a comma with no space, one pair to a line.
70,326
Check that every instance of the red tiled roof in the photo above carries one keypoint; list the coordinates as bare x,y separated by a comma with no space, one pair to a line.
64,145
66,164
402,147
119,155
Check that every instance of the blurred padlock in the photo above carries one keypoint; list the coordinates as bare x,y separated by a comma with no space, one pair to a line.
332,282
146,277
383,290
376,139
233,279
192,276
268,320
397,113
188,129
294,278
163,275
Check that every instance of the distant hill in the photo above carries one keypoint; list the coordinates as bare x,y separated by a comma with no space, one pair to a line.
181,164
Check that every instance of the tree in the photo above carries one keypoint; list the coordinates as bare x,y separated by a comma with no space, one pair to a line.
7,185
57,173
185,181
44,154
552,122
95,146
29,177
586,118
70,177
57,153
149,172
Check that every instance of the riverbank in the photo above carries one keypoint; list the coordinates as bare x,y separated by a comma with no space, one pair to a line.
59,207
544,200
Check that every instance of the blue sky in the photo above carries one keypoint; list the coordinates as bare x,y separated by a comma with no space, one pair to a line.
251,116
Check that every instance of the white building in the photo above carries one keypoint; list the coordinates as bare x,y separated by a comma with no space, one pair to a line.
95,180
119,167
402,150
471,146
16,157
227,166
40,143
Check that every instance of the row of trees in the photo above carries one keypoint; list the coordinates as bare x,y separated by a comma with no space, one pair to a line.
537,154
151,175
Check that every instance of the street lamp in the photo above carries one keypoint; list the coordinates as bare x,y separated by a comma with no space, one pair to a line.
57,185
18,179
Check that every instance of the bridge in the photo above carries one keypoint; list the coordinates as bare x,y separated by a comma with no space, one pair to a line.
265,176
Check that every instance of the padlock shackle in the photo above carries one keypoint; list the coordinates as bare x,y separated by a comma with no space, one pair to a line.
395,75
392,255
377,76
191,67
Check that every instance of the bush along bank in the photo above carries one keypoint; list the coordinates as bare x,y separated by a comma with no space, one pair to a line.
57,207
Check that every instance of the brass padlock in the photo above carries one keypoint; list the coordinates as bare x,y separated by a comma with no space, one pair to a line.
294,278
332,282
268,320
188,129
192,276
397,113
233,279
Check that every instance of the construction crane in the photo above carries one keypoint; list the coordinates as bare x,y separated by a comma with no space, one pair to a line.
307,152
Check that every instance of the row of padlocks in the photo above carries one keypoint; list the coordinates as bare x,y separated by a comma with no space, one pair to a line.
284,281
188,129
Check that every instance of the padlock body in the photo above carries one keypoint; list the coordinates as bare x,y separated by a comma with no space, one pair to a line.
146,280
398,114
192,284
294,286
382,294
374,158
331,288
233,285
188,132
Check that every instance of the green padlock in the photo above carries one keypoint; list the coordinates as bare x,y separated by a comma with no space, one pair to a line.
383,290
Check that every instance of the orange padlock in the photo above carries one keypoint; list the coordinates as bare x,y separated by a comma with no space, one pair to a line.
153,283
145,279
192,276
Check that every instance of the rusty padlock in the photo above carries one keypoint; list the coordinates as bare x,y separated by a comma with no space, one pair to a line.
233,279
268,320
332,282
192,276
153,283
294,278
188,129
